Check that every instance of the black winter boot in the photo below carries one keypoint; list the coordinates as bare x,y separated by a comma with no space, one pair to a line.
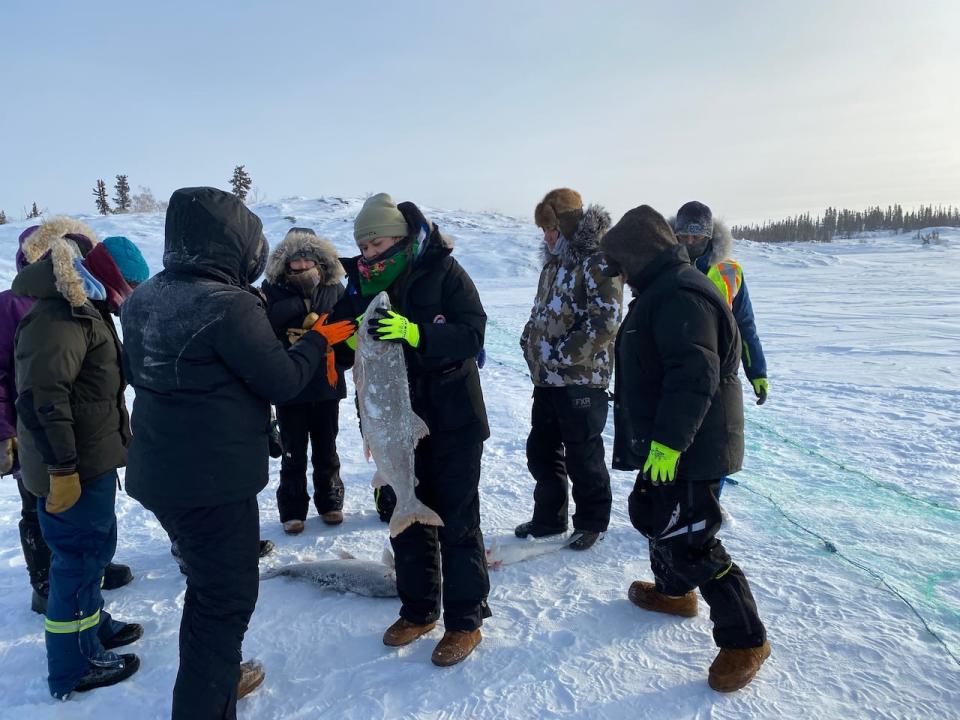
38,601
129,633
98,677
116,576
583,539
266,547
532,529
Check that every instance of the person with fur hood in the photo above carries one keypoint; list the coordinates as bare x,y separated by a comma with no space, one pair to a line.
303,283
72,435
568,345
34,243
710,246
678,420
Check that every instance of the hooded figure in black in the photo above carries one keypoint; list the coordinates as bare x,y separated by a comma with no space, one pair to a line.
206,364
303,282
678,418
438,317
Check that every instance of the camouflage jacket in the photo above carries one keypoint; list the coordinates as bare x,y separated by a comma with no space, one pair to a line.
573,324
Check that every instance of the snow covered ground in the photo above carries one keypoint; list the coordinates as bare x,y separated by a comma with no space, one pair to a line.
845,520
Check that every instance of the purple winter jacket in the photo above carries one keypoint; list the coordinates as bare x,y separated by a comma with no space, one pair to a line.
12,309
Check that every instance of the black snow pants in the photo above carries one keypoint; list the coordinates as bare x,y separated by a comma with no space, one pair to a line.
35,550
566,438
219,547
318,423
680,520
449,484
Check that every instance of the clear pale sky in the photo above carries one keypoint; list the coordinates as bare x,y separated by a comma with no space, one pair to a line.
757,108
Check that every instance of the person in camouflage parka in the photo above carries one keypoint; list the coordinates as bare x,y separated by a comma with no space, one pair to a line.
568,345
573,324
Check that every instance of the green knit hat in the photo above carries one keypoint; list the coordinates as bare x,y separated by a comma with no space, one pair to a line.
379,217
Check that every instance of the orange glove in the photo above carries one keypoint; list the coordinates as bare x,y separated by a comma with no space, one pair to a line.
333,334
336,332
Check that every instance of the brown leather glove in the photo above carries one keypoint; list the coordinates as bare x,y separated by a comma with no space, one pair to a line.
295,334
64,492
8,455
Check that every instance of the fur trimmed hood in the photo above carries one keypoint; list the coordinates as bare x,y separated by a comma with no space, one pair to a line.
586,240
37,243
305,244
720,246
53,276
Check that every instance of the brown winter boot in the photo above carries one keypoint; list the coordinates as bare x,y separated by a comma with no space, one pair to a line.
734,668
644,594
455,646
403,632
251,676
333,517
293,527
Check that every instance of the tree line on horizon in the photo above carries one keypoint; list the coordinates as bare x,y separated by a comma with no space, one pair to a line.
847,223
141,202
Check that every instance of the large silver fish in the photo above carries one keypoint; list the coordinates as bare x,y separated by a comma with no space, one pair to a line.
346,574
391,430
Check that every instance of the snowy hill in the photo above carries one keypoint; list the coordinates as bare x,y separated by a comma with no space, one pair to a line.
845,520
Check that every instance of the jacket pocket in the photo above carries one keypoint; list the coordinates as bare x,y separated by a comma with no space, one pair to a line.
456,399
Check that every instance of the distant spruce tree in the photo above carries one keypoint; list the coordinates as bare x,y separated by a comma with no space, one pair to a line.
847,223
100,193
34,212
3,218
122,198
241,182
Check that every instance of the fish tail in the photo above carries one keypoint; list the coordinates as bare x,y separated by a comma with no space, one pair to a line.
417,513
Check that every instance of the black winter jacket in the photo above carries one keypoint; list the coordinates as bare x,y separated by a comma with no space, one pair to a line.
440,297
205,362
677,356
286,309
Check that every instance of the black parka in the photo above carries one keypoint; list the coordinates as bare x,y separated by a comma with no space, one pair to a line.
285,310
205,361
677,355
439,296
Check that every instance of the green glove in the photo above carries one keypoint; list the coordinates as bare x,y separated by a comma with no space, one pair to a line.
352,340
761,386
661,464
395,327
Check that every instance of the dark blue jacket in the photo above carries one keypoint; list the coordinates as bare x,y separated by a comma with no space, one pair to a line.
754,362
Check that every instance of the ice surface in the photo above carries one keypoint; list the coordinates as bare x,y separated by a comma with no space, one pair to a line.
859,444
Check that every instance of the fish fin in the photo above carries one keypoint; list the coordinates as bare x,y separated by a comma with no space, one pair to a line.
366,450
387,558
378,480
344,555
420,429
417,513
492,553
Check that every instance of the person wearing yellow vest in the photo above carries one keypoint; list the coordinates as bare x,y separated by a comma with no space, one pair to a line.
709,245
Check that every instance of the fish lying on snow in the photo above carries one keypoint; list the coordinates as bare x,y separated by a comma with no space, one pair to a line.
345,574
391,430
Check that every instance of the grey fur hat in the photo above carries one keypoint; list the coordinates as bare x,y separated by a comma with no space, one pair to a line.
305,243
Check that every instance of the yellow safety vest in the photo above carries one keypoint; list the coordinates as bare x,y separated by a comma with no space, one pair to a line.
727,275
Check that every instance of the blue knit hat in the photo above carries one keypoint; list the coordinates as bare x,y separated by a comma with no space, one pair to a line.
128,258
694,218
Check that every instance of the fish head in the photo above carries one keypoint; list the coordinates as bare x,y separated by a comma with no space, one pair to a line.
366,345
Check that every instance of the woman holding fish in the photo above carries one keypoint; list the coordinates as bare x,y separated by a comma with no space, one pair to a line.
434,313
